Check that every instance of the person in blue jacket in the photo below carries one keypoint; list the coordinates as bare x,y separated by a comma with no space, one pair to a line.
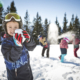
16,55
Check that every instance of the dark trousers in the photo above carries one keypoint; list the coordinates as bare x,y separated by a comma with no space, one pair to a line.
43,51
63,54
23,73
63,51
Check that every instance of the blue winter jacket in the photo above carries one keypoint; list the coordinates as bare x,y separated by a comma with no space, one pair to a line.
15,56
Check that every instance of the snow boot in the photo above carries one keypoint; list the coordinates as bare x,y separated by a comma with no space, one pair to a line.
62,57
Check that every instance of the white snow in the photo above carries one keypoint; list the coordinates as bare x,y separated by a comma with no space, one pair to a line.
53,33
50,68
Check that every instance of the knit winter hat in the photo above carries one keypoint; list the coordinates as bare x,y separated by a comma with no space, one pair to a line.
67,39
39,36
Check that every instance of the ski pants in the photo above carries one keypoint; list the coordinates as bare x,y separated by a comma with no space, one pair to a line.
63,53
23,73
75,52
43,51
62,57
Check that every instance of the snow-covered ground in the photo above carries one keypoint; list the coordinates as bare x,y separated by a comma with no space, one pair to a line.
50,68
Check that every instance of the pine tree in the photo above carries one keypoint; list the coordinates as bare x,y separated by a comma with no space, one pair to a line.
26,18
1,18
49,22
72,20
71,23
12,7
76,25
79,29
38,29
70,27
46,24
59,28
65,24
7,10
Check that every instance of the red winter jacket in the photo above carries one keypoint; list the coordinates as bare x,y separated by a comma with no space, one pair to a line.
76,41
63,44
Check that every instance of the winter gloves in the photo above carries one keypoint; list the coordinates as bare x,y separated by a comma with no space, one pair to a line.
26,36
20,36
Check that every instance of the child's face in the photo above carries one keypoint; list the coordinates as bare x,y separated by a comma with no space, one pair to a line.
40,38
11,27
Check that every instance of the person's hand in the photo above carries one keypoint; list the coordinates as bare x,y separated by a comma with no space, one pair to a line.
17,39
26,35
20,36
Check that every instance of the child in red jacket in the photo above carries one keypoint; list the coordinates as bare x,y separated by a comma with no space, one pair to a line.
63,48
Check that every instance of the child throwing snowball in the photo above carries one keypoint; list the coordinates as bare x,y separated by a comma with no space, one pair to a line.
14,48
45,44
75,42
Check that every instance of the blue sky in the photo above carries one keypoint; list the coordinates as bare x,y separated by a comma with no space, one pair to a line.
49,9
